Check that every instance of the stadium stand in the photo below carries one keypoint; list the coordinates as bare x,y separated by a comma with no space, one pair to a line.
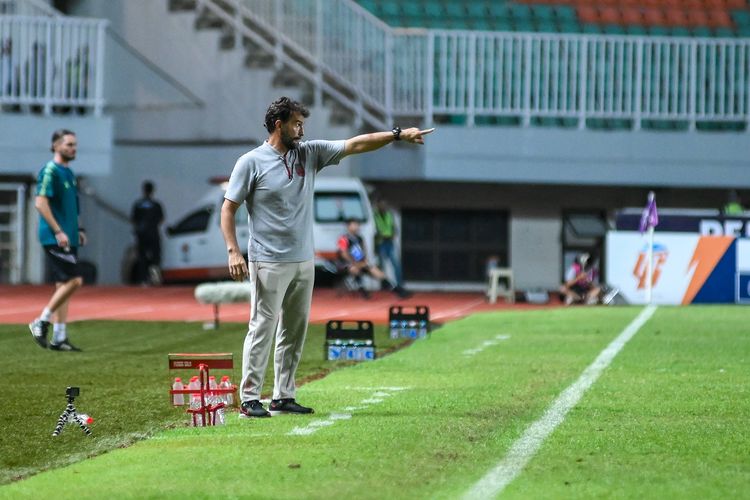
662,18
699,18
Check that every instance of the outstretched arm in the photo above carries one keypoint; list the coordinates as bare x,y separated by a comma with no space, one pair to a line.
376,140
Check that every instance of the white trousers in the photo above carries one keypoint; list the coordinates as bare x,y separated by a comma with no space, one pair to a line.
280,306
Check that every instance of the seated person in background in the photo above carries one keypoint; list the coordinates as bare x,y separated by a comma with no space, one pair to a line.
580,282
352,258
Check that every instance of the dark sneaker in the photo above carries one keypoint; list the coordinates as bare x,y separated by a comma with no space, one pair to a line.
253,409
39,330
64,346
279,406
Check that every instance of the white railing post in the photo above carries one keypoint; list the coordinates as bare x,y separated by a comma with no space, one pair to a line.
638,84
526,119
471,83
429,79
388,77
99,103
237,22
318,83
48,69
278,14
693,94
583,97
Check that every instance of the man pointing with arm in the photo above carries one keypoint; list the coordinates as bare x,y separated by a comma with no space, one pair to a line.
276,181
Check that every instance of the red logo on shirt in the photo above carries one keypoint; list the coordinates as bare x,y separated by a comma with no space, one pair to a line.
300,170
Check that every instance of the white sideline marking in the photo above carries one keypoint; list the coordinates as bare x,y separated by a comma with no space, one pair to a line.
375,398
485,345
458,310
529,443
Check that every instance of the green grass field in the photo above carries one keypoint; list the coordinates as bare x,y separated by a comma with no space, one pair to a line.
667,419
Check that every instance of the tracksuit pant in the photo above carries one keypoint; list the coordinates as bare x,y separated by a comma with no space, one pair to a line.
280,308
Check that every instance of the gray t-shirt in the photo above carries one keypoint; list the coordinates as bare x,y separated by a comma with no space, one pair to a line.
278,193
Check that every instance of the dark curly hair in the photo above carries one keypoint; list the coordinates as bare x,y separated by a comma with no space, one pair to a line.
282,109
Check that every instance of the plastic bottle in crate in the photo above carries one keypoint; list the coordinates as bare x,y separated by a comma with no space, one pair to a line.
178,399
212,385
412,331
394,329
227,397
335,350
195,404
422,328
351,351
368,351
194,383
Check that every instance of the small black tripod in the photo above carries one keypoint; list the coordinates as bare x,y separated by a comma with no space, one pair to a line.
70,415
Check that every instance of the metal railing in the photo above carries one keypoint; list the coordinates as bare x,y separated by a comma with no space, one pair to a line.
576,76
470,74
52,63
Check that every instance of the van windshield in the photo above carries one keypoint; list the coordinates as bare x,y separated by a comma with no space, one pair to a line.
194,222
339,207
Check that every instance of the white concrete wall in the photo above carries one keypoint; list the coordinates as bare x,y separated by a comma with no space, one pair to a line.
25,141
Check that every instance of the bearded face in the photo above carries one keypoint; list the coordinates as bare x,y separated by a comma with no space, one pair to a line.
289,139
292,131
66,147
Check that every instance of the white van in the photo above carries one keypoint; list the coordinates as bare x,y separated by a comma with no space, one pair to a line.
194,248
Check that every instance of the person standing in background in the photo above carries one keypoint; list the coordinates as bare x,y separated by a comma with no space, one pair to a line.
734,204
60,235
385,235
146,216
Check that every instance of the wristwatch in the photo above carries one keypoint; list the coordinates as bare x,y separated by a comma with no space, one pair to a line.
396,133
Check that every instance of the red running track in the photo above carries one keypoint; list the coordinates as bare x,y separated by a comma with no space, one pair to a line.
22,303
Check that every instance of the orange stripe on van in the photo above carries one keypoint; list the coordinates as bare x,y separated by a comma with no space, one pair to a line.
327,255
195,273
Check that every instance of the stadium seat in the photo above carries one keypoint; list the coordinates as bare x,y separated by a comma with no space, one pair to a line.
591,28
609,15
477,10
613,29
702,31
543,12
520,12
631,16
741,17
566,14
455,10
676,17
636,29
412,9
723,32
546,26
588,14
388,8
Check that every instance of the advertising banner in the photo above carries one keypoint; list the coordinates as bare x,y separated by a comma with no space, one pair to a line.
687,268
